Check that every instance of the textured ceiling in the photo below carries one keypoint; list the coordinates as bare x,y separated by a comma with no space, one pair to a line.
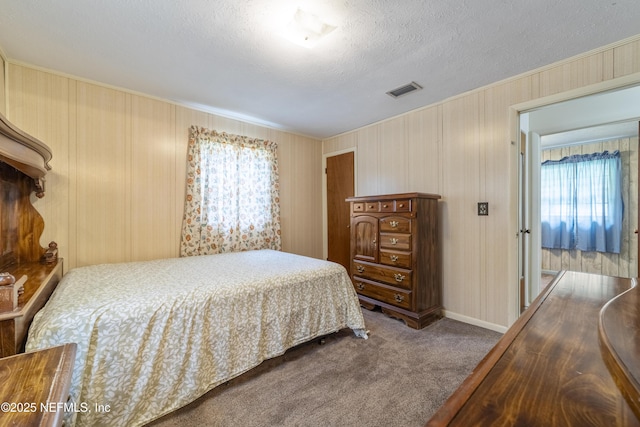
226,56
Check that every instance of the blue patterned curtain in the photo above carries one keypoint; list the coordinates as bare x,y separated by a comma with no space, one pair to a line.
581,202
232,201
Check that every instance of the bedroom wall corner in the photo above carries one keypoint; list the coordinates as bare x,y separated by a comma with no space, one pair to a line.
116,191
462,149
300,164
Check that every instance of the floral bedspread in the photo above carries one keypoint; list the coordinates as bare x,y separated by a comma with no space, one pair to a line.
153,336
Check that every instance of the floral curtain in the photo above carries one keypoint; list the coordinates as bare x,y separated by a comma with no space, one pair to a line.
232,201
581,202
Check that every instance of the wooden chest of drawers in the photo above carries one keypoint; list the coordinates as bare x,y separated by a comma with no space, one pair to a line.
395,258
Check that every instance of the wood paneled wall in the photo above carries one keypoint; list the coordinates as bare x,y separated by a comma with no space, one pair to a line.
461,148
3,101
624,264
116,191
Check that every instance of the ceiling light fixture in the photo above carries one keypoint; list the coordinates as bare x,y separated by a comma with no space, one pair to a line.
306,29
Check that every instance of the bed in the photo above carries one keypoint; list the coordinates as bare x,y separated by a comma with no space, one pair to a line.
153,336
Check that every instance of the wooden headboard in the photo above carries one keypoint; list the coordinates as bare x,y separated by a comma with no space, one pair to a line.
28,272
24,161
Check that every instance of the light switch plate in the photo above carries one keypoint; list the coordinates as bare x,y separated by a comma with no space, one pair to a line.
483,208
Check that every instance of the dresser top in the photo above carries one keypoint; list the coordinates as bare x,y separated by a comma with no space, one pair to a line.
548,369
393,196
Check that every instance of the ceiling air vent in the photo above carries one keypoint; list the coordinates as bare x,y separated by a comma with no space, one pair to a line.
404,90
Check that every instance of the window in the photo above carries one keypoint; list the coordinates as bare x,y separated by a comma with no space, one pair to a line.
232,201
581,203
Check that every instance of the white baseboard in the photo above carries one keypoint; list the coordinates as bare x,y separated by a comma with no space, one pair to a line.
474,321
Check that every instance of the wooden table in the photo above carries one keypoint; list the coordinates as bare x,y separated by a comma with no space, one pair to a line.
35,386
549,369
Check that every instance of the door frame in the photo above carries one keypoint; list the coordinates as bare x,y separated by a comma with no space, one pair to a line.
514,124
535,220
325,230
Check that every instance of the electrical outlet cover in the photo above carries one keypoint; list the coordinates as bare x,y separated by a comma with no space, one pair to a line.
483,208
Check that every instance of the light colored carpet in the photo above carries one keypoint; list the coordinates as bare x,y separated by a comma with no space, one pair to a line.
398,377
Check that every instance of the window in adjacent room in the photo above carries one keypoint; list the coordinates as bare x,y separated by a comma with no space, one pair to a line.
581,202
232,201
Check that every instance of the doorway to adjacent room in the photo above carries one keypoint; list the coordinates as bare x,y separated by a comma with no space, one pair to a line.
600,121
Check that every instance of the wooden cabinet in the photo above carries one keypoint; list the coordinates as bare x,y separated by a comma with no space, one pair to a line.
395,257
365,229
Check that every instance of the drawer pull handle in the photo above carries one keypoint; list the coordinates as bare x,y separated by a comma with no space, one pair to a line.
394,241
360,286
398,297
401,205
393,224
394,258
399,277
360,269
385,206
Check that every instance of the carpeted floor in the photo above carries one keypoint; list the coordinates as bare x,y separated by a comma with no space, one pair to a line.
398,377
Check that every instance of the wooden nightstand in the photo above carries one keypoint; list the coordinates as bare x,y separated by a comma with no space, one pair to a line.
35,386
42,279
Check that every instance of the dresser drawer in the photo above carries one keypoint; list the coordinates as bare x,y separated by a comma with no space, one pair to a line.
398,297
395,224
371,206
403,205
358,207
387,206
393,276
396,241
395,258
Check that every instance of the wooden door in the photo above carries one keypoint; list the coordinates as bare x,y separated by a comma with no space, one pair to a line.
340,185
365,238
